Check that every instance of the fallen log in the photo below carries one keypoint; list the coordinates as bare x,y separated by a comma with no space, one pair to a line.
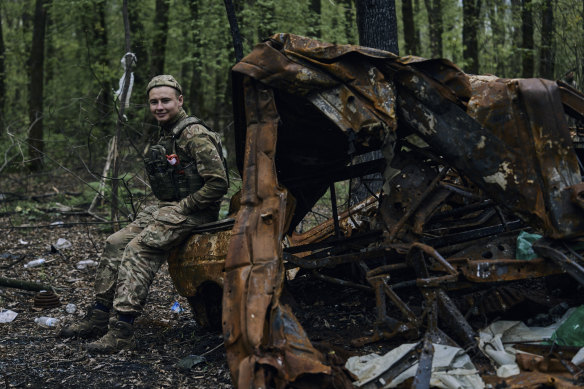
25,285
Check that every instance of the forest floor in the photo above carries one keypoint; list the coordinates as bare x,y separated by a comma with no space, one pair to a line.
35,357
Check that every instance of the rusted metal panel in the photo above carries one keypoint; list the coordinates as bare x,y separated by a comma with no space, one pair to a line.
258,331
201,259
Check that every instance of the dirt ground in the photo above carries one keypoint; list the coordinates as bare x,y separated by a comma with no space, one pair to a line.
35,357
173,351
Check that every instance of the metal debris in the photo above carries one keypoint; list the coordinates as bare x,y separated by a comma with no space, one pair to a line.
469,162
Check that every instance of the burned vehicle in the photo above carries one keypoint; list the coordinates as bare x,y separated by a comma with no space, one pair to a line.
468,164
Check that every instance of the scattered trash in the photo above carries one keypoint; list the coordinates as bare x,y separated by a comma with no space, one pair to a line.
47,322
176,308
85,264
190,361
571,331
57,223
525,242
62,243
71,308
35,263
6,316
451,368
22,241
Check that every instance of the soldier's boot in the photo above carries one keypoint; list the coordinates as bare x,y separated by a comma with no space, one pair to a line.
93,325
119,337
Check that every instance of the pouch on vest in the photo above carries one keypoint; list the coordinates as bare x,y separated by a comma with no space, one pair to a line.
161,174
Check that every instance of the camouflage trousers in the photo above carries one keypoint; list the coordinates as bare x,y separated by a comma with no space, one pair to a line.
133,255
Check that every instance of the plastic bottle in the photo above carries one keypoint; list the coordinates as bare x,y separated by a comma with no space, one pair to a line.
45,321
85,264
35,263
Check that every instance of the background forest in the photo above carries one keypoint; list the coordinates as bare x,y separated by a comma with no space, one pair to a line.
60,63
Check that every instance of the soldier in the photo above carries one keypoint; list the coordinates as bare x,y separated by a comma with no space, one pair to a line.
188,176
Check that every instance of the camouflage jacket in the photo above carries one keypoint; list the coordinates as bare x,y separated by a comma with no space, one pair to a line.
198,177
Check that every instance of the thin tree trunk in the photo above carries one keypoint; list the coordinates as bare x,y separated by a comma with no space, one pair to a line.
125,89
377,26
527,35
470,39
434,8
235,35
158,51
546,57
37,59
194,98
410,34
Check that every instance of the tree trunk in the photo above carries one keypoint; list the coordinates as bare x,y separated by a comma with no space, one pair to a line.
315,10
2,77
377,24
194,97
37,59
470,39
139,47
546,57
434,8
158,51
527,35
410,34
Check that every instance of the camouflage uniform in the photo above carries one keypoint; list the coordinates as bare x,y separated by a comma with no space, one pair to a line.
133,255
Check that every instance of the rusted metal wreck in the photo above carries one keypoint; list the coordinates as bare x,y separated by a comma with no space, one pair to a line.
467,161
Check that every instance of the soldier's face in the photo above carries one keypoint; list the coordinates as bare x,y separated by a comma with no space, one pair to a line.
164,103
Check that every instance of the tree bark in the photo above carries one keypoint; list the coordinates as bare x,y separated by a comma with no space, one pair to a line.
434,8
470,40
527,36
158,51
377,24
35,111
546,57
410,33
194,97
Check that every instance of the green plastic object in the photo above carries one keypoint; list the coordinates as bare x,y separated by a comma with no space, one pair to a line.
571,332
525,242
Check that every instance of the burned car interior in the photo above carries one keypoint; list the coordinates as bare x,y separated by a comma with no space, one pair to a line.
475,170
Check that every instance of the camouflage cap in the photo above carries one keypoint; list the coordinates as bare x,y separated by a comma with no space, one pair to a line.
164,80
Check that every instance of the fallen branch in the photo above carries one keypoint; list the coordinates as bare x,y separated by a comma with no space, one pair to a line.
25,285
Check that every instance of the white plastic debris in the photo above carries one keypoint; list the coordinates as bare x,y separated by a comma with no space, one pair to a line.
71,308
22,241
451,368
579,357
47,322
85,264
35,263
57,223
6,316
497,340
62,243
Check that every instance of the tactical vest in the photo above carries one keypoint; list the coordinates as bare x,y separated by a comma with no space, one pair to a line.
172,173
